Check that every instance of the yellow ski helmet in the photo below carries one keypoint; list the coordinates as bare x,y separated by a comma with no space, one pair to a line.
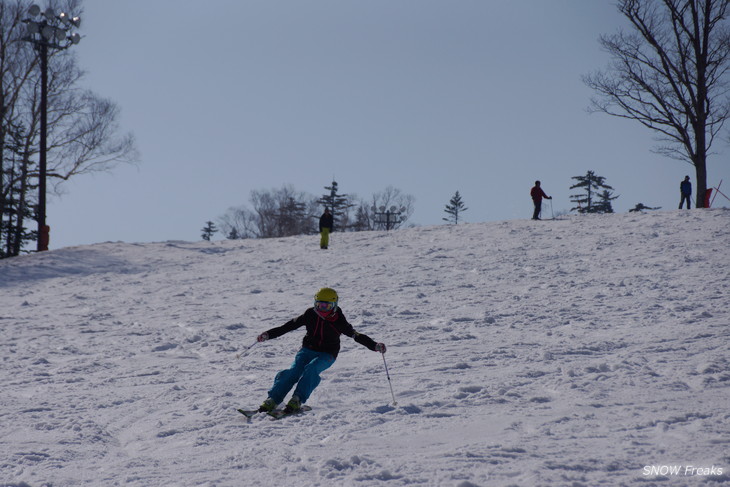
325,301
326,294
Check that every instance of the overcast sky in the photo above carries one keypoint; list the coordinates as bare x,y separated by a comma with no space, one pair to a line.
429,96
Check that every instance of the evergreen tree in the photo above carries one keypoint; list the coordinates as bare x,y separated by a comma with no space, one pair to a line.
17,204
604,203
454,209
642,206
338,204
208,230
591,201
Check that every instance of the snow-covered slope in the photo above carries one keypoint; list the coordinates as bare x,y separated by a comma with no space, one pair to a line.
588,351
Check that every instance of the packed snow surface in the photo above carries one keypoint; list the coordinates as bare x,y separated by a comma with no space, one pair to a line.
585,351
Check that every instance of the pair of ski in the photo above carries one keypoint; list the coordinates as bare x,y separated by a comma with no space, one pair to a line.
276,413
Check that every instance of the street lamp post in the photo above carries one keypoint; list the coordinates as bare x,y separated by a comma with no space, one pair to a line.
389,218
47,30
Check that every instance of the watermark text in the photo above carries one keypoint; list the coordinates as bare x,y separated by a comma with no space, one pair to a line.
682,471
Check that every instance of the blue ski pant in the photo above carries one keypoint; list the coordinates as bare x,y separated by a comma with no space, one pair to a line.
304,372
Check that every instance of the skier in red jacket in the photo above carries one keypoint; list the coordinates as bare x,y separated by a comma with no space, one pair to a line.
537,195
325,322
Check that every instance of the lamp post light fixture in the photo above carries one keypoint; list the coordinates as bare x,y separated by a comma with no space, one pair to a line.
47,30
388,218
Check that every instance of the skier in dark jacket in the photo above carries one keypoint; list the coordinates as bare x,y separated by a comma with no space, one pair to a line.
325,322
326,222
685,188
537,195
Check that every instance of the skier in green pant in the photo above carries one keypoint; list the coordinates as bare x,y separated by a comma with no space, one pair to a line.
325,322
326,223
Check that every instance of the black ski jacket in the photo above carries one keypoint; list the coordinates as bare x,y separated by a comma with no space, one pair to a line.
326,221
323,334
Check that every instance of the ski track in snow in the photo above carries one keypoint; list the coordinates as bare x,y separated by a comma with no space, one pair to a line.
571,352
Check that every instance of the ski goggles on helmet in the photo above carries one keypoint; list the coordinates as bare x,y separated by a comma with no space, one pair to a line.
324,306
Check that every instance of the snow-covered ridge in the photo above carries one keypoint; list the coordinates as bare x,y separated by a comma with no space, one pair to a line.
585,351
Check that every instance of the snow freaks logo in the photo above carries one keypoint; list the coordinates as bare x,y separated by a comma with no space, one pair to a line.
681,471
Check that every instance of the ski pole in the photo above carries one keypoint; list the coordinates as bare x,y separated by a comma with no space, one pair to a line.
551,208
245,351
387,374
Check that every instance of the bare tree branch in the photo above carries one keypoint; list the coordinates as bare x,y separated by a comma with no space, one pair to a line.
671,75
83,131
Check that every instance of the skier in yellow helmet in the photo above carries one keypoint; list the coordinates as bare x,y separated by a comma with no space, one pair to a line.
325,322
